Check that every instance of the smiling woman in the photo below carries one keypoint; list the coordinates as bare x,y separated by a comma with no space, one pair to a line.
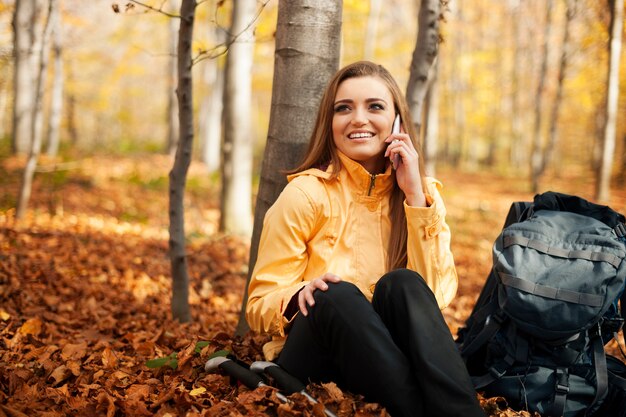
354,260
364,113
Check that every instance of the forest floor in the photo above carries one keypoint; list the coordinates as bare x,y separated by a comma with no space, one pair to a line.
85,289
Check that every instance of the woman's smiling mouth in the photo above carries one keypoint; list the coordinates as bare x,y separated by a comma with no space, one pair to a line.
360,135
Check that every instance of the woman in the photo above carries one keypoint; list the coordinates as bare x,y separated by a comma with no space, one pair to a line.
354,260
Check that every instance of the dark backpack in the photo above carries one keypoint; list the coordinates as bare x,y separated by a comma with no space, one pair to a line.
536,335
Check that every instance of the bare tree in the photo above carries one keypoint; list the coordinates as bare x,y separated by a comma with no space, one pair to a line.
172,104
236,201
37,120
608,148
371,30
424,55
535,158
556,105
56,99
25,28
308,39
431,127
210,123
178,174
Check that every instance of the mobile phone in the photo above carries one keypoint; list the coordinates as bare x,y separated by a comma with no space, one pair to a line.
395,160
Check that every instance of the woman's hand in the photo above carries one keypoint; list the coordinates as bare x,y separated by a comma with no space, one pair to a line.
305,296
402,151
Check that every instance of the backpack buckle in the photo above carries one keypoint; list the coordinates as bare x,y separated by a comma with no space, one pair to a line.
620,231
562,389
497,373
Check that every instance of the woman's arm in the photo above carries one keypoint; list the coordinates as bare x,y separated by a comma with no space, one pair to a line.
282,259
428,245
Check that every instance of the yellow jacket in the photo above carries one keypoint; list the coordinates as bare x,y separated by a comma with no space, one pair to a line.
341,225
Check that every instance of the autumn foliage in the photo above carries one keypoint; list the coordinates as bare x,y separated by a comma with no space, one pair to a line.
85,325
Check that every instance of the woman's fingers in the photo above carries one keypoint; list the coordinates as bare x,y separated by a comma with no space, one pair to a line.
305,296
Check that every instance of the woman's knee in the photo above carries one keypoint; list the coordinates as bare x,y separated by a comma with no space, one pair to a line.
338,291
401,282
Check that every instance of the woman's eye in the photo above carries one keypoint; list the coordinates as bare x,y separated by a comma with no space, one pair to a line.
377,106
341,108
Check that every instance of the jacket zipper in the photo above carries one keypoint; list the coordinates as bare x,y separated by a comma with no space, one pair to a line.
372,182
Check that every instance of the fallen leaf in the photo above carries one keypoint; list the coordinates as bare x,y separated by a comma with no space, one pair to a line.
31,326
197,391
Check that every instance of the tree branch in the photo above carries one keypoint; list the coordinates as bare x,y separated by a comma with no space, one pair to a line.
159,10
226,45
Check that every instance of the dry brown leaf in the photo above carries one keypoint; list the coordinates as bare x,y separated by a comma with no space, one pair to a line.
109,358
32,326
74,351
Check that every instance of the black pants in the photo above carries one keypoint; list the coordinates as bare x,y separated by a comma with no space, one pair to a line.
396,350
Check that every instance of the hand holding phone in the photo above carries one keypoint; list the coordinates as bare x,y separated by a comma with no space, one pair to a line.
395,159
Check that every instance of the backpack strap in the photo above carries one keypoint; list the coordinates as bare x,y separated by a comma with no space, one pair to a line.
488,331
561,389
620,231
599,363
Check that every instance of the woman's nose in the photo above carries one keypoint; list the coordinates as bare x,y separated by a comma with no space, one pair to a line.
359,117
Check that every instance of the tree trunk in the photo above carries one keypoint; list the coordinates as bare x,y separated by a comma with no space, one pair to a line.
554,115
608,149
236,201
431,135
56,101
371,32
537,148
171,77
308,39
37,121
70,112
178,174
25,18
424,55
211,110
457,88
517,155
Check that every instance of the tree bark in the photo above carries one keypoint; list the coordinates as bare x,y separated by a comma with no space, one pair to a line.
211,109
556,106
424,55
24,23
56,100
537,148
371,32
37,121
612,95
518,154
178,174
171,77
431,135
236,201
308,39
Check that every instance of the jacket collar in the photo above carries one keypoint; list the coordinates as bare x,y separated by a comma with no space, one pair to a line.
354,175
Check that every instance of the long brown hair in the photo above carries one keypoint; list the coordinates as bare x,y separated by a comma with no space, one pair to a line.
322,150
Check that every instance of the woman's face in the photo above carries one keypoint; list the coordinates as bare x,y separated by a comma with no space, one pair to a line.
362,120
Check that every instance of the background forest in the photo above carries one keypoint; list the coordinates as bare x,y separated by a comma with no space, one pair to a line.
523,97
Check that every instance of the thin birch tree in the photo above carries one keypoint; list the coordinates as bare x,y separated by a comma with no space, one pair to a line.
308,39
537,148
37,119
182,160
612,94
552,140
25,25
172,79
236,168
56,98
424,56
